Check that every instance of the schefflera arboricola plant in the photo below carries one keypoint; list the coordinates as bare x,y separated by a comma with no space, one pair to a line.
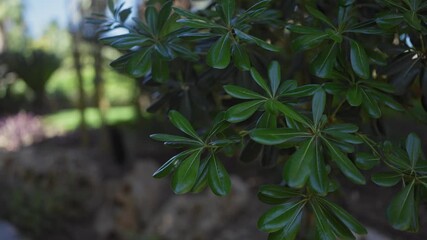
219,74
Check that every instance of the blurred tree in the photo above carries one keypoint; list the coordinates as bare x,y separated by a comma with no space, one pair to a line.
11,25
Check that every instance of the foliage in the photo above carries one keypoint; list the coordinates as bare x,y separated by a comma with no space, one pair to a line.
289,87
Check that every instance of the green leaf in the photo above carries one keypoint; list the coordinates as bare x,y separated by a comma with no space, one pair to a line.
275,76
319,177
250,151
291,113
228,6
303,91
257,41
242,111
303,29
346,165
140,63
241,57
273,194
387,179
400,212
267,120
151,17
197,23
297,168
345,137
412,19
276,136
359,60
186,174
413,147
279,216
323,228
342,127
174,139
366,161
202,176
164,14
179,121
390,20
354,96
324,62
241,93
370,105
218,178
319,15
125,41
171,164
219,54
345,217
290,231
309,41
318,105
260,81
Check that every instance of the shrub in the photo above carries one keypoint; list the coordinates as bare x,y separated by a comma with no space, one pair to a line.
291,83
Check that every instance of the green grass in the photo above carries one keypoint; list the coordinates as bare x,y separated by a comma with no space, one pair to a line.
69,120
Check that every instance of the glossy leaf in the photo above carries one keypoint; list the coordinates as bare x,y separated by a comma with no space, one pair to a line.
242,111
218,178
274,75
171,164
354,96
276,136
387,179
366,161
319,177
260,81
241,93
185,176
318,105
174,139
219,54
359,60
346,165
297,168
370,105
413,147
241,58
324,63
273,194
279,216
319,15
400,212
179,121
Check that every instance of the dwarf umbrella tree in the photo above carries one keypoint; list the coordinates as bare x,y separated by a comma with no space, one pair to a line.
292,83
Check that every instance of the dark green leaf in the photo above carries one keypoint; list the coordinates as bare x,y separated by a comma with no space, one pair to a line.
174,139
303,29
279,216
241,93
218,179
151,17
345,217
202,176
413,147
303,91
345,137
140,63
310,41
366,161
186,174
346,165
400,212
228,6
318,105
171,164
370,105
359,60
291,113
164,14
290,231
319,177
179,121
297,168
219,54
274,76
387,179
277,135
343,127
411,17
260,81
242,111
257,41
319,15
354,96
390,20
273,194
324,63
241,57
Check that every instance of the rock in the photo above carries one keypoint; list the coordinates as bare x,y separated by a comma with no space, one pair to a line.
131,201
194,217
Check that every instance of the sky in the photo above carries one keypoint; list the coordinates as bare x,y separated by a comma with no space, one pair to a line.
39,13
